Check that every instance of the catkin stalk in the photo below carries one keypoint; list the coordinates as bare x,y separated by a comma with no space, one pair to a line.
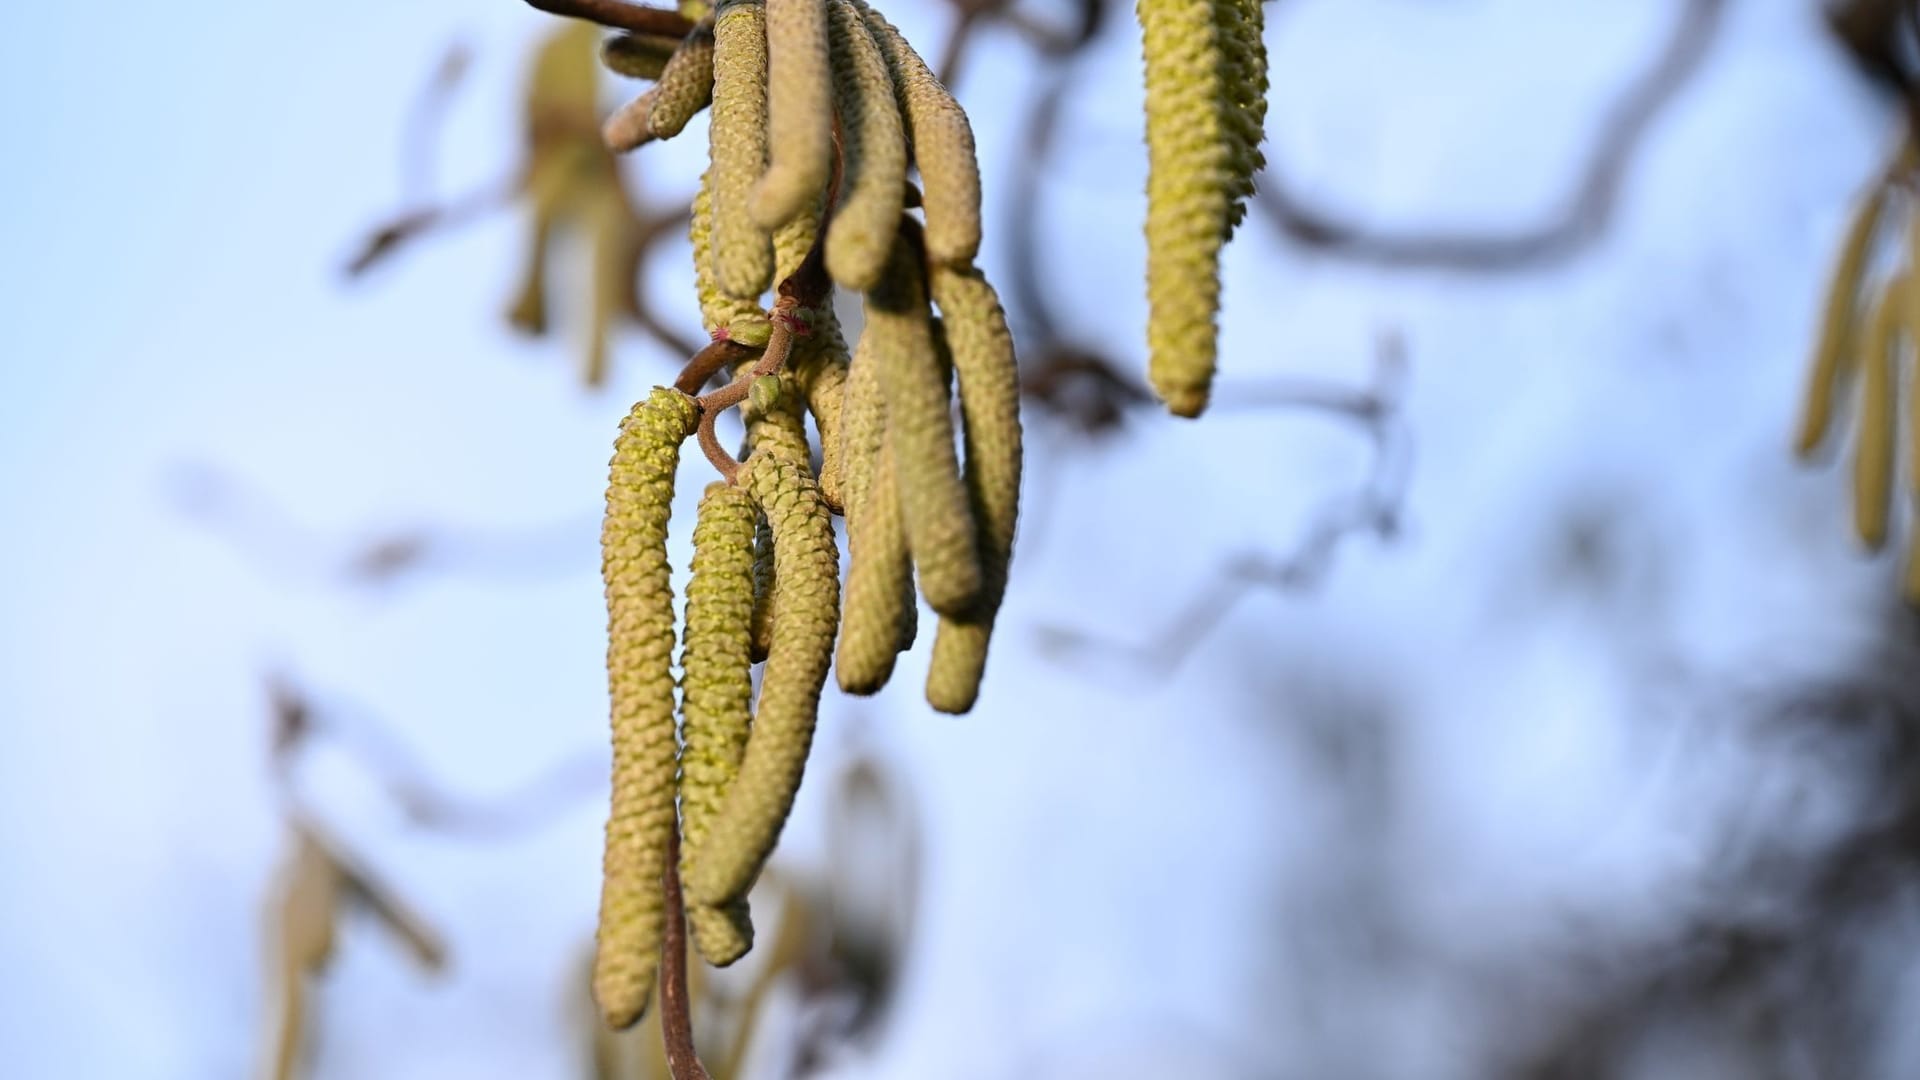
805,618
975,330
874,153
716,690
1836,349
1189,196
919,422
942,141
639,592
742,251
1873,463
799,112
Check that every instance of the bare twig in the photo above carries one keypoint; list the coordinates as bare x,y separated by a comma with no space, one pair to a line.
1585,219
676,1011
389,238
620,16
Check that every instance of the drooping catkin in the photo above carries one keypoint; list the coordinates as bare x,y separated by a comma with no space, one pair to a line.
819,367
806,614
716,692
1242,26
1873,464
685,88
1190,185
878,617
873,152
639,592
799,112
722,315
774,426
919,422
975,331
942,141
638,56
742,251
1837,349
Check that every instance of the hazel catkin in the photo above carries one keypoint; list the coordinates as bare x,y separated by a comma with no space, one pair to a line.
1836,351
799,112
874,153
942,141
742,251
639,592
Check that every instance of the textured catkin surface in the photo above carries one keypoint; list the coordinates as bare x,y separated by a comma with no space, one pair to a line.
1242,26
942,141
919,424
1190,181
718,311
878,619
742,251
776,429
806,614
716,693
874,149
685,86
800,112
820,365
975,330
640,627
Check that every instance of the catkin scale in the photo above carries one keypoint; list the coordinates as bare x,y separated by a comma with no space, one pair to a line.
873,152
639,592
805,616
1874,452
942,141
799,112
1836,349
975,331
1190,182
716,693
742,251
919,423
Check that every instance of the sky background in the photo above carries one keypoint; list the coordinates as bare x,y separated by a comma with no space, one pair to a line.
1122,870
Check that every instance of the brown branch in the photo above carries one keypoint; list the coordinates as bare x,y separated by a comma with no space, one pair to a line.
705,363
1588,213
676,1010
620,16
388,238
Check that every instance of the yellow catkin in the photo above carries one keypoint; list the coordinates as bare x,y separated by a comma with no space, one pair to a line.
1873,464
806,614
1242,26
919,421
1190,182
819,366
685,87
716,696
639,591
720,313
942,141
878,617
742,251
1837,349
638,56
799,112
874,152
975,329
774,426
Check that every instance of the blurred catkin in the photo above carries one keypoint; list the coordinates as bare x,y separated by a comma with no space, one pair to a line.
716,690
799,112
1837,349
1874,455
806,615
874,154
639,593
685,88
742,251
638,56
975,333
942,141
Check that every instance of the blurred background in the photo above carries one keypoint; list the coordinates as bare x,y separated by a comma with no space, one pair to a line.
1482,690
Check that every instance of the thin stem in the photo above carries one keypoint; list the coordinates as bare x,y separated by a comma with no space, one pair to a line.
620,16
722,353
676,1011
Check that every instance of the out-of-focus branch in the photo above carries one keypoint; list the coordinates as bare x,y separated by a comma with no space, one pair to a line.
1588,213
620,16
1052,42
1374,509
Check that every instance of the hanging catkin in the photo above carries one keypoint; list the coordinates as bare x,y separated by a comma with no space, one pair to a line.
805,618
942,141
874,152
742,251
639,592
799,112
716,690
1879,405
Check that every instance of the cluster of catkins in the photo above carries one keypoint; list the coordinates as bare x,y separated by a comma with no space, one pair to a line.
819,108
1206,115
1870,327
